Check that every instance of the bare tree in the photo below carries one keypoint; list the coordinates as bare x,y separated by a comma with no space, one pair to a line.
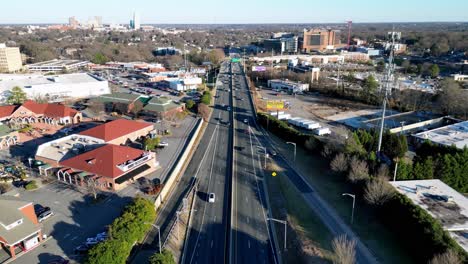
203,111
449,257
343,250
339,163
383,171
92,187
358,170
378,191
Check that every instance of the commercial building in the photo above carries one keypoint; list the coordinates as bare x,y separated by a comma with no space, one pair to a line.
19,229
135,22
8,136
117,102
320,40
97,157
163,107
451,135
109,167
318,59
184,84
57,66
285,85
460,77
73,23
441,202
10,59
32,112
163,51
281,43
54,87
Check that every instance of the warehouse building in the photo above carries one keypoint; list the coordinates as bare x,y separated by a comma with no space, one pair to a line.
451,135
54,88
285,85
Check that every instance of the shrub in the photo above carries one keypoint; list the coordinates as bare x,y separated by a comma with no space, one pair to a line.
358,170
165,257
32,185
4,187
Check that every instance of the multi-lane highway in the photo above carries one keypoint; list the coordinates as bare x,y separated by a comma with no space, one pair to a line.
208,235
250,242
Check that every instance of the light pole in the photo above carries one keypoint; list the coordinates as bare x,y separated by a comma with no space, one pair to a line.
294,144
30,169
285,223
159,234
354,200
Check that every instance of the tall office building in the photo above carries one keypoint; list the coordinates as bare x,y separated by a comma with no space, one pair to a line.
10,59
73,23
320,40
281,43
136,21
95,22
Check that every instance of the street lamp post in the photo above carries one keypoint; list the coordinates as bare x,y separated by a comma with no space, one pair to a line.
285,223
354,200
159,234
30,169
294,144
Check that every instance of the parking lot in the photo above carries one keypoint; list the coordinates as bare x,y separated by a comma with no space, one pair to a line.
76,215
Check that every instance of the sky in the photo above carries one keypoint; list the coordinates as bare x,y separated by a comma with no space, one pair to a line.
234,11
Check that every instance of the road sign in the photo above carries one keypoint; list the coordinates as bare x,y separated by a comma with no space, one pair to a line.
275,105
235,60
273,174
258,68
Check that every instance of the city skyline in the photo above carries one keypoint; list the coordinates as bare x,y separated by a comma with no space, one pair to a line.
243,12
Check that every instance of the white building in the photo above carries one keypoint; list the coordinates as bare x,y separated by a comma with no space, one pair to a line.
136,21
54,88
184,84
288,85
57,65
456,135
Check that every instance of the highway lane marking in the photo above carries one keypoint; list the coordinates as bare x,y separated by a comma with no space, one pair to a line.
248,242
248,221
67,235
73,238
211,243
209,180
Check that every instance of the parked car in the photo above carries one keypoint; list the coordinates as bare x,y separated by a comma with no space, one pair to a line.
163,144
246,121
81,249
211,198
43,216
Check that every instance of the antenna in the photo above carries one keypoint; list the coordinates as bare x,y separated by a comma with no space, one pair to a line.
350,23
386,86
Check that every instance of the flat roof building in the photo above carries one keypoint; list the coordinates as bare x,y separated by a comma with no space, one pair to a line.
441,202
320,40
54,88
57,66
10,59
163,107
451,135
293,87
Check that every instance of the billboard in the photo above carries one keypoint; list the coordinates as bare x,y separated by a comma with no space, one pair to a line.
258,68
275,105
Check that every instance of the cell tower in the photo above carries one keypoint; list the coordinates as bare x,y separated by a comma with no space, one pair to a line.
386,86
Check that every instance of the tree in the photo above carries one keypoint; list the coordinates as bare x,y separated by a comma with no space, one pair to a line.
339,164
358,170
206,98
406,65
378,191
451,97
99,58
137,107
189,104
165,257
216,56
434,70
204,111
449,257
370,87
344,251
151,143
109,251
17,96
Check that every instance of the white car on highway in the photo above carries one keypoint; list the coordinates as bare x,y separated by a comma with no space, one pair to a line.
211,198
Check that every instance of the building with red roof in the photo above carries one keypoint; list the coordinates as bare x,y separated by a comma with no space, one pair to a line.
32,112
109,167
120,131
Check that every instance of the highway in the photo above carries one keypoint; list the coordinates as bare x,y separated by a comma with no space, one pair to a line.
209,231
250,242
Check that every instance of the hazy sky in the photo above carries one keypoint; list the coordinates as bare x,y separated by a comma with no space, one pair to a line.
234,11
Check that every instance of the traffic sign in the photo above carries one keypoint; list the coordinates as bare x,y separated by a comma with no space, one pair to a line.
273,174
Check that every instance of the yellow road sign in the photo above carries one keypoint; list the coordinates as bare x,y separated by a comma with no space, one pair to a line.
273,174
275,105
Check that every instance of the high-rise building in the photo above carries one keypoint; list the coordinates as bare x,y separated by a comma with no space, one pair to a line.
320,40
136,21
73,23
10,59
95,22
281,43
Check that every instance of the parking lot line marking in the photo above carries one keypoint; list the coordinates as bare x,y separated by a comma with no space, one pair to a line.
73,238
67,235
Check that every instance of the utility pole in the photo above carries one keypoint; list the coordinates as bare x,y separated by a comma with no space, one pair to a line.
159,235
387,79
